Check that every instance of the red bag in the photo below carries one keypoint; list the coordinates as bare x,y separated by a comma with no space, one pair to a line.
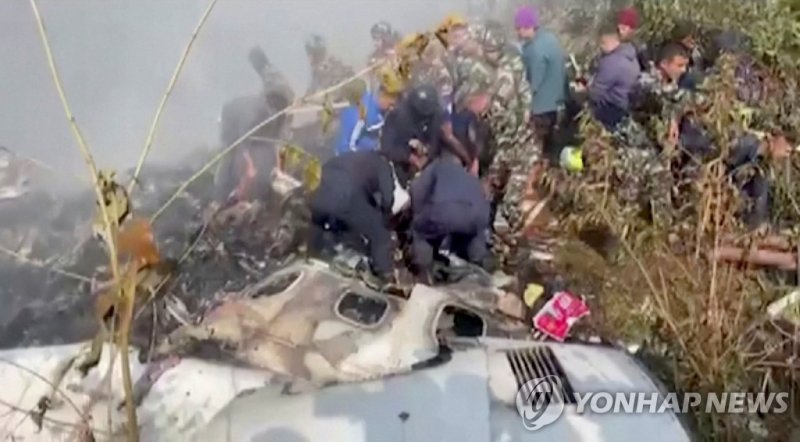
556,318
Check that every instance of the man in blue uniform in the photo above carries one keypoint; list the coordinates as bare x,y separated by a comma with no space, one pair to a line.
354,201
448,202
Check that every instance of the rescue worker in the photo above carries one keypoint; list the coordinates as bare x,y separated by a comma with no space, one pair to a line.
432,69
617,74
511,95
384,39
469,124
415,126
447,203
326,70
545,65
354,202
747,163
627,24
359,123
685,33
515,151
465,57
246,174
642,167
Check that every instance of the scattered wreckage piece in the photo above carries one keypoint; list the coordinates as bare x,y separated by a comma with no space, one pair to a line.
308,322
759,255
472,395
175,397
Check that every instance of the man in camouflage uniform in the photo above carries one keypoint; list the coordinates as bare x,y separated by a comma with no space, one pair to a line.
514,151
384,37
649,139
326,70
432,69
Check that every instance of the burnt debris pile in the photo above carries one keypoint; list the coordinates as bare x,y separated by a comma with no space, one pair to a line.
53,266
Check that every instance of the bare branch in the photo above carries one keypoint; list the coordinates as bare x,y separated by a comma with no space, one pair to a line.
157,118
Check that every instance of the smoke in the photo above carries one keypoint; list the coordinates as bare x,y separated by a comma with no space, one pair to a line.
116,57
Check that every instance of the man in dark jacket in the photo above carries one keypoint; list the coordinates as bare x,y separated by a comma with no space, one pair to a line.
354,201
617,74
418,127
448,202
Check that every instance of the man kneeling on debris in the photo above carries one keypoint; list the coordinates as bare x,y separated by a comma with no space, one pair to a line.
353,201
448,202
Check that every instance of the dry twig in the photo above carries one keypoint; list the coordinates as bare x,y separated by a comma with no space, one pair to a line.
110,226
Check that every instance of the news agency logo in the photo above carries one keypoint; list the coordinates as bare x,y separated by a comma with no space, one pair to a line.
540,402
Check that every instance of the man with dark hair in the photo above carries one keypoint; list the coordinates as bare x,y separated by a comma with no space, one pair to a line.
617,74
685,33
642,164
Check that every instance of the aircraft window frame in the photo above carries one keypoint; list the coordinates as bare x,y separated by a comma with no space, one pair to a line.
356,292
438,317
258,293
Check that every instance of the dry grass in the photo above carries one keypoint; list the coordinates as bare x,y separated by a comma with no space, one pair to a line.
705,322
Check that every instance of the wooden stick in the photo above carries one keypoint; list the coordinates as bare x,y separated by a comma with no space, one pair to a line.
148,144
76,131
241,139
109,225
760,257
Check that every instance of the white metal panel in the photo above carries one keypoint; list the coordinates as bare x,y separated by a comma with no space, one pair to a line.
179,403
446,403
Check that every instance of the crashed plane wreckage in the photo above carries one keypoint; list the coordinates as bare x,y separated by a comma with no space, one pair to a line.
307,332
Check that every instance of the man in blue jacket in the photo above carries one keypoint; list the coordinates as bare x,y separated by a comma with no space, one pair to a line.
359,123
545,68
448,202
617,73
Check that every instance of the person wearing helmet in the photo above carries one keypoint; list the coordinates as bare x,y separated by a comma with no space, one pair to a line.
326,70
384,38
418,128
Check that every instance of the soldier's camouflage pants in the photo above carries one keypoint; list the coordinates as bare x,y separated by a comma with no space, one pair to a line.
643,180
516,154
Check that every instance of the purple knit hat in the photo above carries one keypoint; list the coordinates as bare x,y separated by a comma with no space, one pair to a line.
526,17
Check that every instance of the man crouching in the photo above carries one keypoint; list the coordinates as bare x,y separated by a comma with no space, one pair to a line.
353,202
448,202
